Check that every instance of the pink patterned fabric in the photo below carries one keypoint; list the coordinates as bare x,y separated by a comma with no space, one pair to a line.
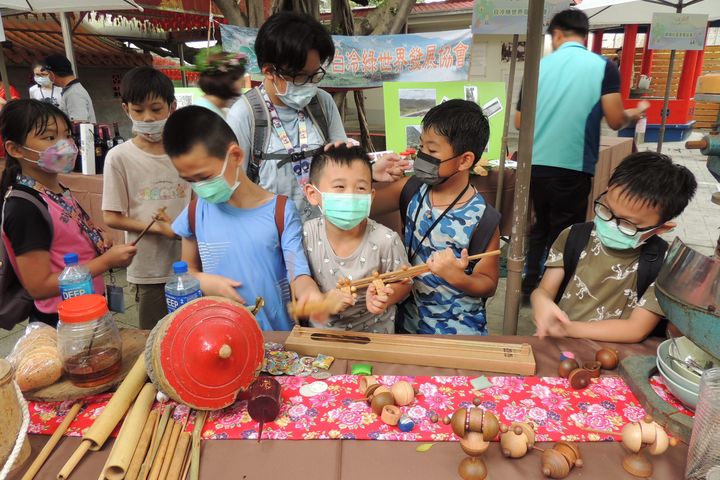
558,411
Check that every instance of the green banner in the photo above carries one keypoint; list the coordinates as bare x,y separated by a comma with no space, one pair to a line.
406,103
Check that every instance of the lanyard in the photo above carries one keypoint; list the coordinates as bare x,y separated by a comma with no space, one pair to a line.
411,254
301,165
70,208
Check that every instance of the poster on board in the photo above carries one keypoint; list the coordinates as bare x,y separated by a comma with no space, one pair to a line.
406,103
678,31
505,17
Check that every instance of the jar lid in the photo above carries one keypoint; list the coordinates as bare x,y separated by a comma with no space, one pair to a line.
84,308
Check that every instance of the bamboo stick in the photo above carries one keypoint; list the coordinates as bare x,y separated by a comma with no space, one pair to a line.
158,461
170,452
155,218
74,460
178,458
52,442
142,447
158,433
601,432
195,452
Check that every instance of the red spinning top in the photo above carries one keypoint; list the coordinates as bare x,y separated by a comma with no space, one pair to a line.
205,353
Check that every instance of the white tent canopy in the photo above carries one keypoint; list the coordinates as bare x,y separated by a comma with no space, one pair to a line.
628,12
55,6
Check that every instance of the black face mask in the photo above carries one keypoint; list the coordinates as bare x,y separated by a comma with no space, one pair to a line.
427,168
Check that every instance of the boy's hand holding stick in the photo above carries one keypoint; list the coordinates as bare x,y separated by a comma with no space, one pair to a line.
159,215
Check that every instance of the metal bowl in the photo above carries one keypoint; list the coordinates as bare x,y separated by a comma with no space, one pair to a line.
688,290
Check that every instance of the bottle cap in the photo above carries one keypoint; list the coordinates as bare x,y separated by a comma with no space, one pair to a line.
84,308
71,259
180,267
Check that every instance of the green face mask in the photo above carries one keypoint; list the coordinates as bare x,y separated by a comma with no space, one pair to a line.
610,236
216,189
345,210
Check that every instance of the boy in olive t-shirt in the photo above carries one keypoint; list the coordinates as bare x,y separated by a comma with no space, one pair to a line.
600,301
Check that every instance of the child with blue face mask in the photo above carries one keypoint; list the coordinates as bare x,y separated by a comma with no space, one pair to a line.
599,277
345,244
239,240
139,181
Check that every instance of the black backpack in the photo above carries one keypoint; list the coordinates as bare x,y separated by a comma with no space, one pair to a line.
261,132
15,302
480,237
652,255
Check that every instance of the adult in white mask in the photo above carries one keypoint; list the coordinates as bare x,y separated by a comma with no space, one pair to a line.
281,123
43,89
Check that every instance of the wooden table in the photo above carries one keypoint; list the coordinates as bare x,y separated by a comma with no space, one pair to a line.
361,460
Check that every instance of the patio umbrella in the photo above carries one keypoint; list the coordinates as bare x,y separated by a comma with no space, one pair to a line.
61,7
631,12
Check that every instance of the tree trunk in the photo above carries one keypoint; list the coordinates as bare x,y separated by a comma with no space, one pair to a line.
311,7
232,13
388,18
256,12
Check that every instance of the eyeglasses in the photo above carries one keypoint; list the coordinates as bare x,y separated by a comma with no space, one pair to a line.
300,79
624,225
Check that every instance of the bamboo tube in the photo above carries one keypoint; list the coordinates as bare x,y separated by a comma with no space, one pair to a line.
142,447
170,452
195,452
126,443
187,462
98,433
52,443
158,433
123,427
178,458
160,457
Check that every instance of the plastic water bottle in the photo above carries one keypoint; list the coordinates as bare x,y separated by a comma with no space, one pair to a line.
182,287
75,280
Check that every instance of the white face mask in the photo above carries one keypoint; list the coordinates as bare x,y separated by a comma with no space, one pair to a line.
44,82
297,96
150,131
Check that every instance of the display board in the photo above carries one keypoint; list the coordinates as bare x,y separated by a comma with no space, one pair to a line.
406,103
505,17
678,31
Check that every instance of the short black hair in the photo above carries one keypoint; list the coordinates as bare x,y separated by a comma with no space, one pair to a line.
193,125
143,83
653,179
285,39
220,84
570,21
463,123
58,64
342,155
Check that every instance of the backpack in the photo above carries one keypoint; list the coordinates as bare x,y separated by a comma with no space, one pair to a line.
261,132
481,236
15,302
279,214
652,255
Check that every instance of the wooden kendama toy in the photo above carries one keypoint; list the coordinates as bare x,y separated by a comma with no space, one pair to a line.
558,461
645,434
580,376
476,427
516,441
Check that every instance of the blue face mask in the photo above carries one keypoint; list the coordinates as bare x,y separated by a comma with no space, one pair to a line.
345,210
216,189
297,96
611,237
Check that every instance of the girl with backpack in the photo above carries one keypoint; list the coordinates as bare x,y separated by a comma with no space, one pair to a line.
41,221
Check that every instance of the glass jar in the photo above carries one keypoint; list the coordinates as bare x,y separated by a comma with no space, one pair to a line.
89,341
704,451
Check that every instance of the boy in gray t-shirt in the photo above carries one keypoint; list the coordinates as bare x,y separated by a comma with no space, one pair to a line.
344,243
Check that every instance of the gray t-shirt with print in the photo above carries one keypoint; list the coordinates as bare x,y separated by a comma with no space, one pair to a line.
380,251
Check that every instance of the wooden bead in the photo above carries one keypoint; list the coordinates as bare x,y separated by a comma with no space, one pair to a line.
472,469
473,444
403,392
390,415
567,366
380,400
554,464
446,420
608,358
632,437
593,368
477,401
579,378
434,418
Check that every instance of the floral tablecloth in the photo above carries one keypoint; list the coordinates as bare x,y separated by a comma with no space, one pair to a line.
557,411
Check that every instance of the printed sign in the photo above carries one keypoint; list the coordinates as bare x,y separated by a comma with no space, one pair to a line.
493,17
678,31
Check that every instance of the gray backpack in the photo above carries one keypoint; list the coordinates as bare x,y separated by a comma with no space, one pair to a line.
261,132
15,302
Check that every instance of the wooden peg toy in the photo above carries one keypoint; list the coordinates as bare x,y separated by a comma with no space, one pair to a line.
517,440
557,462
636,436
608,358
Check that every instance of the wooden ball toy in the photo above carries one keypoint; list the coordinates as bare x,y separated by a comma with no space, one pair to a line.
406,424
365,382
661,443
516,441
648,428
593,368
557,462
567,366
380,400
608,358
390,415
639,434
403,392
473,444
580,378
472,468
632,437
382,389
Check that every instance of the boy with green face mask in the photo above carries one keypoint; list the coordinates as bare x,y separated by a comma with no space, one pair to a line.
609,295
344,243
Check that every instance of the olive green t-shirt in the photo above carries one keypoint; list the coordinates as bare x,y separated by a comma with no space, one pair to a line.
604,285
